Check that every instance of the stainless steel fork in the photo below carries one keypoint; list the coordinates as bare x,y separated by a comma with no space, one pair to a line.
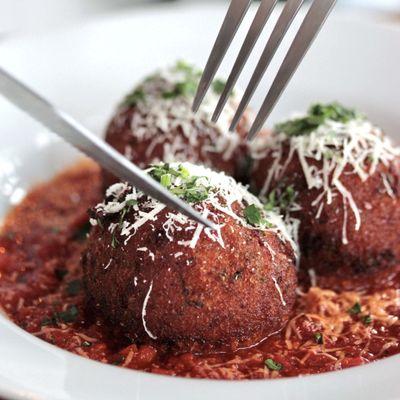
311,25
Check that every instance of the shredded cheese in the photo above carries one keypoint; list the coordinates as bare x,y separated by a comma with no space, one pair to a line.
278,288
144,312
159,118
326,154
226,198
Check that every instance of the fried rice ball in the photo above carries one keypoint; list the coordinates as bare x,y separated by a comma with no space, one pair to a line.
155,123
164,278
340,177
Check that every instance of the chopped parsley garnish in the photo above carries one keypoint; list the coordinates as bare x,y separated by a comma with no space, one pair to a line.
254,216
74,287
157,171
188,86
114,240
356,309
134,98
166,180
191,192
317,115
319,338
128,205
273,365
271,203
188,79
183,66
218,86
287,197
180,182
187,89
280,199
366,319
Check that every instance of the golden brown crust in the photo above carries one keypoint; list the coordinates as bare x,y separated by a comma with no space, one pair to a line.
374,247
203,298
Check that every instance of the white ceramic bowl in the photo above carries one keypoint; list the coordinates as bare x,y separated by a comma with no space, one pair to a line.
86,70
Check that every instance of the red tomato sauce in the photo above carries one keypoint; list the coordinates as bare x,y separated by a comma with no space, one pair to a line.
41,291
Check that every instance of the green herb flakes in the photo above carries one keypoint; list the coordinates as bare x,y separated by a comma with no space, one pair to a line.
186,87
280,200
253,215
195,194
114,240
134,98
319,338
183,66
180,183
366,319
218,86
128,205
273,365
317,115
165,180
271,203
183,84
356,309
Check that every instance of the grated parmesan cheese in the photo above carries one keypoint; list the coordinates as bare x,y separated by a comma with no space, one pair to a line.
225,196
160,117
144,312
278,288
336,146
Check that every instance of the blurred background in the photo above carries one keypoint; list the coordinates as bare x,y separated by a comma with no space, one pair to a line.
23,16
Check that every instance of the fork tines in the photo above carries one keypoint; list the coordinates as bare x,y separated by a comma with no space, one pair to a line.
311,25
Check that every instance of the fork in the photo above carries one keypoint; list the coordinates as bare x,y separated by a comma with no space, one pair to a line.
309,28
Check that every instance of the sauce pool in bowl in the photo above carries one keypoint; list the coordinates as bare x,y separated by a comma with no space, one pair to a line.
41,290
